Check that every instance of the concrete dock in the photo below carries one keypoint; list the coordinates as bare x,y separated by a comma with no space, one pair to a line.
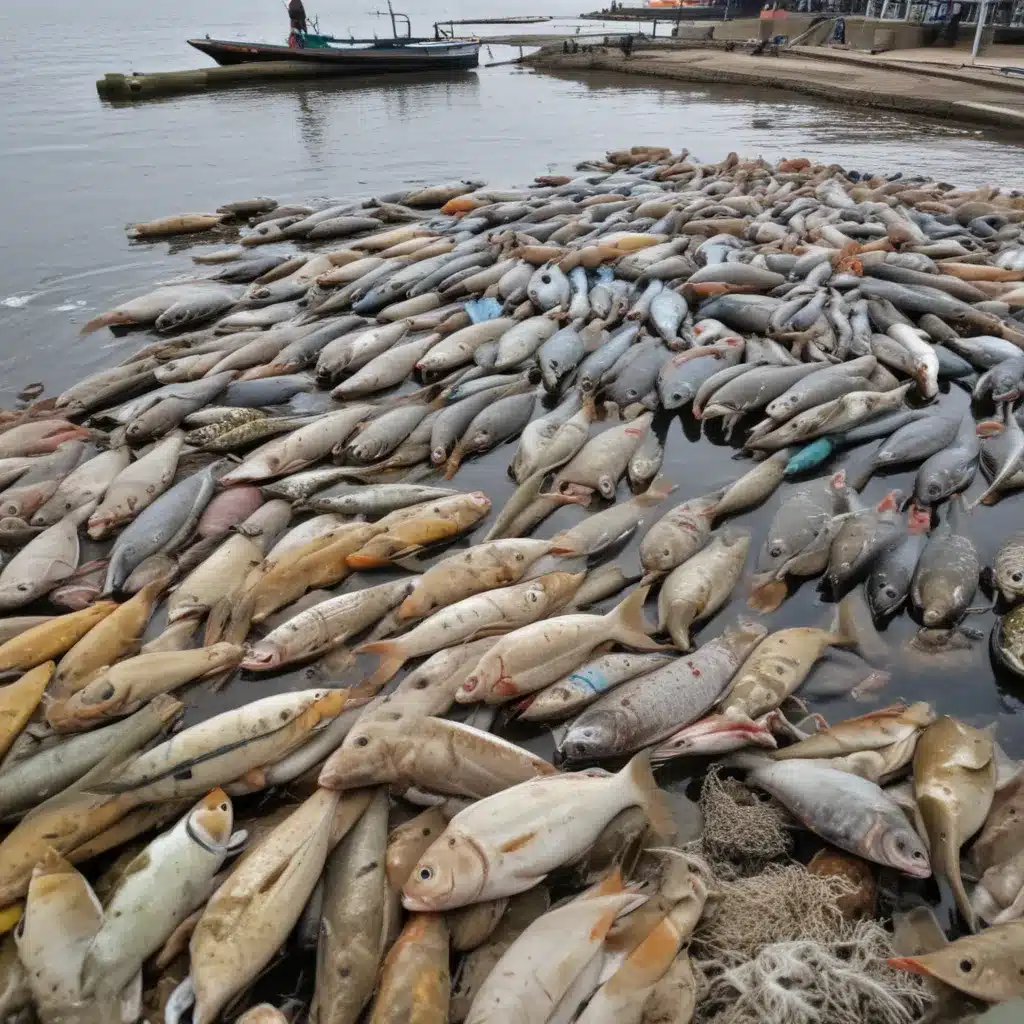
943,90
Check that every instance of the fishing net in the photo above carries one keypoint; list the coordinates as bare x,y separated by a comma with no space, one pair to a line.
844,980
773,946
742,833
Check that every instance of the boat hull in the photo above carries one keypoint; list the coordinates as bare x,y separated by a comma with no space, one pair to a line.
383,58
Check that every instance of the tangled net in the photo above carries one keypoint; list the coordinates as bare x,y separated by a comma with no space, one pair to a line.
741,833
773,946
807,981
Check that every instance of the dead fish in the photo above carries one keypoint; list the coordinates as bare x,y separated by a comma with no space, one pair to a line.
653,706
700,586
985,966
947,571
954,783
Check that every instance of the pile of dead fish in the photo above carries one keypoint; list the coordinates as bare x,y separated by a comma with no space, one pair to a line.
222,501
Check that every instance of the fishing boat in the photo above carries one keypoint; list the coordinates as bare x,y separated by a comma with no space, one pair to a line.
402,52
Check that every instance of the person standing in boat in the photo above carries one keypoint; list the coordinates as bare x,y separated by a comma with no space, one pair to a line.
297,14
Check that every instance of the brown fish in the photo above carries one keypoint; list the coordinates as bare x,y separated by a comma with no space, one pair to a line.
989,966
52,638
18,700
414,981
954,783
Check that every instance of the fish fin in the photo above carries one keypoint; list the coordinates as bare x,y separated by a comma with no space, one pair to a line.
627,622
767,597
217,622
650,796
661,487
391,656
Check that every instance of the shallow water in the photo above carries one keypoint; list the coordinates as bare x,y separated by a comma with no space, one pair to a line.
74,171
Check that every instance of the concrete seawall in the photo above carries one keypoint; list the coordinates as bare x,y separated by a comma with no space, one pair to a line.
908,89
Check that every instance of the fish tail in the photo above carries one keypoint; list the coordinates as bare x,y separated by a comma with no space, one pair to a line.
649,795
628,625
680,616
858,476
111,319
392,658
843,632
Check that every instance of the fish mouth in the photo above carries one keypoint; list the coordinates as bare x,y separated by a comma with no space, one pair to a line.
256,660
908,963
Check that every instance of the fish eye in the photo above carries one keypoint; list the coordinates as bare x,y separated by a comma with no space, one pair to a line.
222,807
425,874
889,591
107,692
900,845
1017,577
966,965
676,395
546,278
918,855
362,741
519,556
775,552
22,587
451,843
934,488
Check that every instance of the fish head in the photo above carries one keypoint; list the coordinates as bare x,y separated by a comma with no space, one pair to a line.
98,699
899,846
263,656
211,821
451,873
606,484
555,588
365,758
979,969
775,553
593,737
884,597
487,678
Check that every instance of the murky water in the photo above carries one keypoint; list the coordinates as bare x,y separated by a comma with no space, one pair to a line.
74,171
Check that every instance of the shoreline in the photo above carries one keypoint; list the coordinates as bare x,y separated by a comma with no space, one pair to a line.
883,87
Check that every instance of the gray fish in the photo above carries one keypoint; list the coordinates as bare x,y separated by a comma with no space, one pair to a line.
888,584
748,313
844,809
652,707
549,288
451,422
196,307
950,470
382,435
667,312
861,539
1011,451
176,405
984,351
799,522
645,463
639,376
246,271
947,572
880,426
499,421
359,499
559,355
163,527
912,443
749,392
818,388
681,376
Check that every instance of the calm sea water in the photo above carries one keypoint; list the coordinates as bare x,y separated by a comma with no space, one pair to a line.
74,172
